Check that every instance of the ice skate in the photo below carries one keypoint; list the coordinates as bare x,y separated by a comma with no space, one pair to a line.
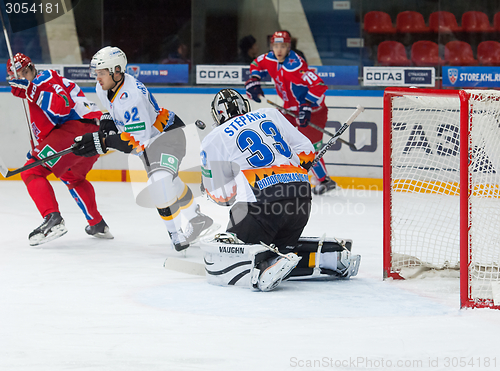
326,185
100,230
348,264
179,240
343,263
199,226
51,228
274,270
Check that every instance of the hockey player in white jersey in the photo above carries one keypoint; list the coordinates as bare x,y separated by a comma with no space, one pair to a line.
257,162
136,124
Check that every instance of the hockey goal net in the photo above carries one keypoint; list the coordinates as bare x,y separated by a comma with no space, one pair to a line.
442,187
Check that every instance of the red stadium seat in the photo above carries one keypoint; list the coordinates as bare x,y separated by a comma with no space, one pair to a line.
444,22
474,21
425,53
459,53
488,53
378,22
496,22
411,22
392,53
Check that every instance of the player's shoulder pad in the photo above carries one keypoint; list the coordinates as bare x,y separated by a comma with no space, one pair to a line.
259,59
211,137
292,62
266,110
43,77
270,56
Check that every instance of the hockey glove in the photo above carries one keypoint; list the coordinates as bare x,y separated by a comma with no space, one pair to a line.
107,125
19,87
90,144
304,115
253,89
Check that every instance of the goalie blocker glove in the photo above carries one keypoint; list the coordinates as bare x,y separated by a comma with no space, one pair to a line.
90,144
253,89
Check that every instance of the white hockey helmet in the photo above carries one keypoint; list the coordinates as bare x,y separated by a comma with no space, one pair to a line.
228,103
108,58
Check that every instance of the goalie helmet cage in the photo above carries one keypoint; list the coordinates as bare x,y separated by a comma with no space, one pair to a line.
442,187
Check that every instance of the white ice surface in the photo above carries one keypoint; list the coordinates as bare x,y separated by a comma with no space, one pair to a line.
79,303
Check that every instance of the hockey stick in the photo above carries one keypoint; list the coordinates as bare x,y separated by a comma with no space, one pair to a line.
7,173
339,132
185,266
352,146
7,41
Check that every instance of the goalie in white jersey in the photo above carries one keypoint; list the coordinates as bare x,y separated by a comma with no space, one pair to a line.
136,124
257,162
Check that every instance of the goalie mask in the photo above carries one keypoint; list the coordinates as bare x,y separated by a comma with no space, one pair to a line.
108,58
227,104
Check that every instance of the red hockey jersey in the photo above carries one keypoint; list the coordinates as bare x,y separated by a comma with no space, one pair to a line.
54,100
295,81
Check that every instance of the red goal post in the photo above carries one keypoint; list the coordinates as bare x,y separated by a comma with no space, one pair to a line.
429,223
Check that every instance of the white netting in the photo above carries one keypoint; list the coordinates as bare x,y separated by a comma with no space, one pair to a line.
425,201
425,181
484,199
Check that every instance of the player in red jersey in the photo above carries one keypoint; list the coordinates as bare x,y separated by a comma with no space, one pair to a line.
302,91
59,111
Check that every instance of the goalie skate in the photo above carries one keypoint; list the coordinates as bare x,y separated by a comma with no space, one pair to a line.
275,270
351,264
52,227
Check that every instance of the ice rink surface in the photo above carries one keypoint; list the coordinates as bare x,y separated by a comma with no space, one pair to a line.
79,303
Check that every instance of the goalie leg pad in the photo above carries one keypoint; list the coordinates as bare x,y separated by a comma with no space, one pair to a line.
326,257
310,244
231,262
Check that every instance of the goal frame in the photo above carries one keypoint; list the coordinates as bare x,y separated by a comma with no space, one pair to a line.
466,300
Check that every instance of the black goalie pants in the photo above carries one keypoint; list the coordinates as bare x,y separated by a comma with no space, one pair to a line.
279,222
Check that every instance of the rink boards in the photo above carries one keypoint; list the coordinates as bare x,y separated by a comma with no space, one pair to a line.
360,168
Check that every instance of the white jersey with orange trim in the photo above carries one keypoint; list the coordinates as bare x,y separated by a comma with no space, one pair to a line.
135,112
256,157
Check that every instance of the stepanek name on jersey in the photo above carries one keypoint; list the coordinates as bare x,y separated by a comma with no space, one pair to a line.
241,121
281,178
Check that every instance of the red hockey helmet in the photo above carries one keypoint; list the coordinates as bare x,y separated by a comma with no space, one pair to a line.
20,61
281,37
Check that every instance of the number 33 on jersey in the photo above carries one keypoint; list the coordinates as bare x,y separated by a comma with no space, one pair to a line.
254,157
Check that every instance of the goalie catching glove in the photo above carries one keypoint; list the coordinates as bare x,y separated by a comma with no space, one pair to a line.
253,89
90,144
